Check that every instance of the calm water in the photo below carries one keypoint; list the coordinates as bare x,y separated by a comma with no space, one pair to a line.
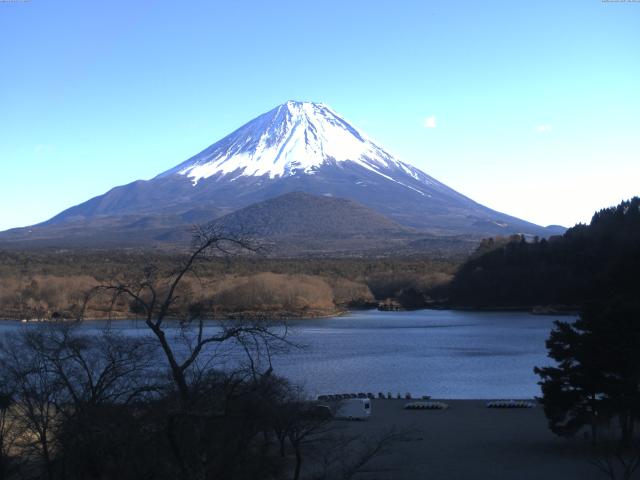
442,353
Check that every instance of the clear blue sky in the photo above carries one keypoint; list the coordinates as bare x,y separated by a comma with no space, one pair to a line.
535,104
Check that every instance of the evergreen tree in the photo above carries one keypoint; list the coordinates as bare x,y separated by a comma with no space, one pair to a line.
597,376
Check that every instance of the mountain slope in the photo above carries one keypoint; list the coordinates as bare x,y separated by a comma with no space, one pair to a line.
296,147
303,215
297,224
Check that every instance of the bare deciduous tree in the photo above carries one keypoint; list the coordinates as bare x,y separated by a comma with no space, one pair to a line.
9,433
91,370
56,375
617,464
36,394
156,297
343,457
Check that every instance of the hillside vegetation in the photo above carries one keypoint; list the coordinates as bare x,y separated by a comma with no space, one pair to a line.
44,284
599,261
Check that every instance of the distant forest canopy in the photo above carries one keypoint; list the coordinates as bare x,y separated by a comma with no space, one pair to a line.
51,284
599,261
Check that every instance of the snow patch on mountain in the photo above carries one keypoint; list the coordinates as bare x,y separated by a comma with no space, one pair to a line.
294,138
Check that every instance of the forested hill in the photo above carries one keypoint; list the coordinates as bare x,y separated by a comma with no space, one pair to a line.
598,261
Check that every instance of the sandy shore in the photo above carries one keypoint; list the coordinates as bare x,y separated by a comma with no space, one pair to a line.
470,441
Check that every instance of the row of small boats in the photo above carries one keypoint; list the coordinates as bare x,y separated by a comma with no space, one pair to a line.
492,404
380,396
422,405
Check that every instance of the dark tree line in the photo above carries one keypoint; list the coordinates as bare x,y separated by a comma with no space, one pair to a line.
589,262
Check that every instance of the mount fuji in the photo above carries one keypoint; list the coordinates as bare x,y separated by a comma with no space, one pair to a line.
296,147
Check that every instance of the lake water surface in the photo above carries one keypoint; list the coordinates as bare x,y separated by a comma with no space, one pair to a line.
442,353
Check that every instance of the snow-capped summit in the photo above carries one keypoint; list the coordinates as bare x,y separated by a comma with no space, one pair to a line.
293,138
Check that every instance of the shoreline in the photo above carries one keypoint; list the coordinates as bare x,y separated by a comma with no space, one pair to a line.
287,315
233,316
534,310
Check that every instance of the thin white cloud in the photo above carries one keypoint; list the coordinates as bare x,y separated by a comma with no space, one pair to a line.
544,128
430,122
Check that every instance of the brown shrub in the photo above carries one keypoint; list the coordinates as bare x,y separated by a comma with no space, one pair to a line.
42,295
270,292
348,292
